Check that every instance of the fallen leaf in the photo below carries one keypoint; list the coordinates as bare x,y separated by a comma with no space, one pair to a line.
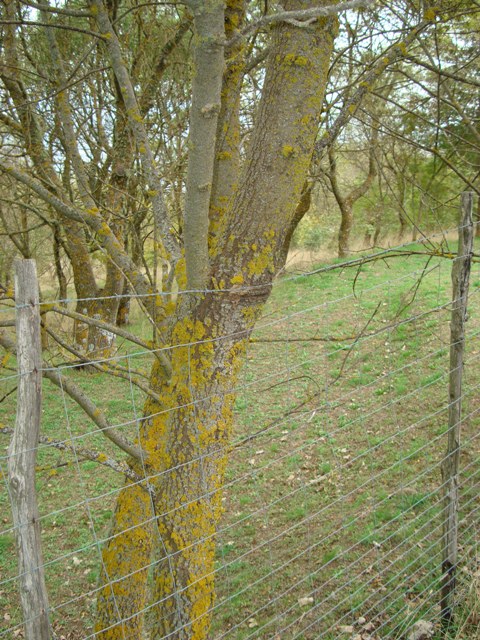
303,602
347,628
422,630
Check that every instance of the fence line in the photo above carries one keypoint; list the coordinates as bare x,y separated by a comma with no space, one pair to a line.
377,253
267,377
333,484
246,475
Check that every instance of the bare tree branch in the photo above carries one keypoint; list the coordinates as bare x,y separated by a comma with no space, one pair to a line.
301,18
78,395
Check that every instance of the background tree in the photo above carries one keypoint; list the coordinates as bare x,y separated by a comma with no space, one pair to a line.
421,151
346,201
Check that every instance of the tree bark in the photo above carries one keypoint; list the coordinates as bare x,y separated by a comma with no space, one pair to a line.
402,218
204,111
187,434
344,232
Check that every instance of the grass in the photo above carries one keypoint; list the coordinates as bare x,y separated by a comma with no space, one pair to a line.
338,500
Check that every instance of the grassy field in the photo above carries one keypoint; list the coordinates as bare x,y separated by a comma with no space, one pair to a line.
332,498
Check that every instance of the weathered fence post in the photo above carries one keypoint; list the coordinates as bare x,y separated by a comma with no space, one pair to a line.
22,454
460,281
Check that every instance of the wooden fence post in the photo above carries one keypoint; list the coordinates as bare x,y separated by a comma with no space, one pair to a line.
22,454
460,281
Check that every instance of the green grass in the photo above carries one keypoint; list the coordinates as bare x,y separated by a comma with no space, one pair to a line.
338,498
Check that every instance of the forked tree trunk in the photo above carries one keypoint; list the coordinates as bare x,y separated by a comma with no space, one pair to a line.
374,228
186,434
125,566
190,494
347,202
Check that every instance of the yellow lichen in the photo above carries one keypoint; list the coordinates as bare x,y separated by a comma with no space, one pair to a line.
104,229
262,262
430,14
238,279
287,150
301,61
293,59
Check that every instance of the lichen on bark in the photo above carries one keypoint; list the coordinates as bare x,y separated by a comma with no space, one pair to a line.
187,433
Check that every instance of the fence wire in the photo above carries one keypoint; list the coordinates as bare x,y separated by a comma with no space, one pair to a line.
333,495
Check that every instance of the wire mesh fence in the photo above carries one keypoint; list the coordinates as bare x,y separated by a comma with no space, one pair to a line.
332,500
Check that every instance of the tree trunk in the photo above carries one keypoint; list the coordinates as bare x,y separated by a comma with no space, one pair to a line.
402,231
61,277
189,503
401,203
123,313
378,230
374,227
186,434
186,441
477,219
125,567
346,203
345,230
